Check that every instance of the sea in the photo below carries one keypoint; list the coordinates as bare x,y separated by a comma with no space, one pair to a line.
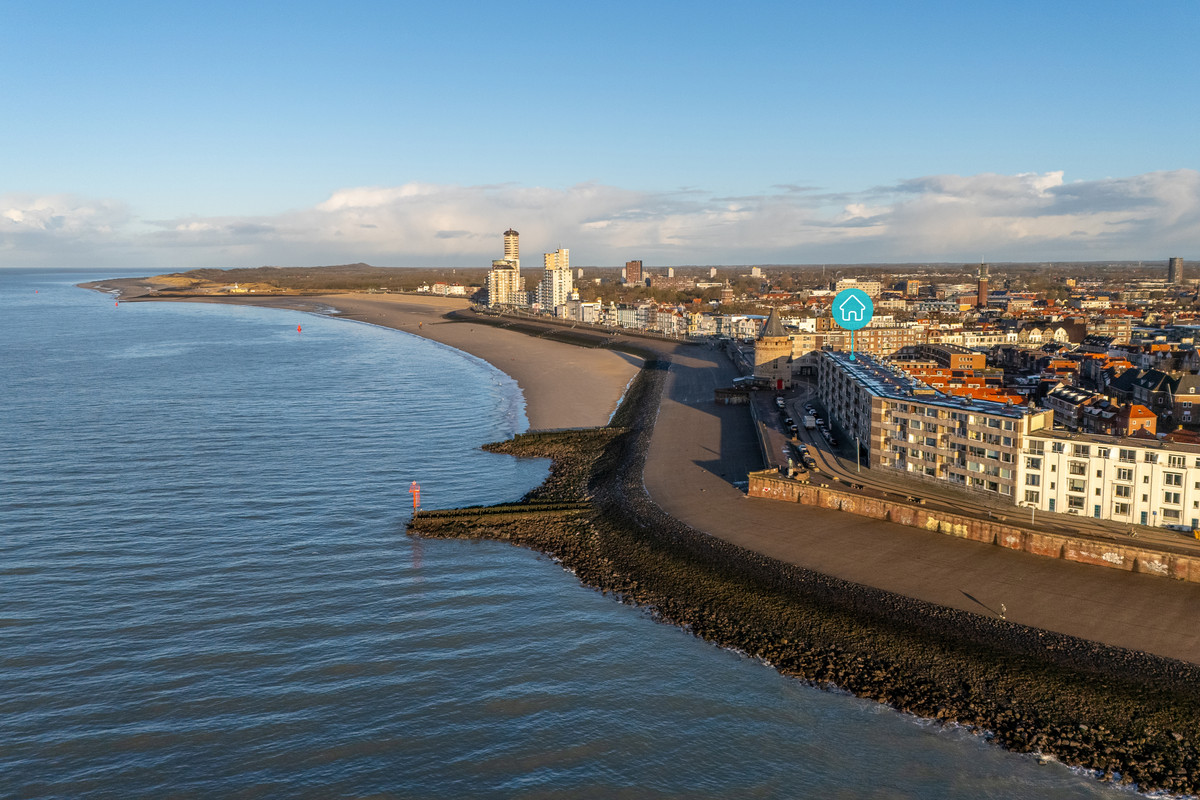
206,591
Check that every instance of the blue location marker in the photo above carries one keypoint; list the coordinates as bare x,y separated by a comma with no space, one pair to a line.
852,309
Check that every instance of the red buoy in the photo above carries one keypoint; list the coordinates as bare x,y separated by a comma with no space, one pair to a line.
297,329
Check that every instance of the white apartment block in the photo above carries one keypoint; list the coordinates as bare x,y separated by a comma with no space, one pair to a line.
1132,480
872,288
554,290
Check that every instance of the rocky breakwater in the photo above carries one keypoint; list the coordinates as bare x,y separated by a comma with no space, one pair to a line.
1128,716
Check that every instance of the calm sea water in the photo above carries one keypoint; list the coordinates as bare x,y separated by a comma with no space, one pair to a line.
205,591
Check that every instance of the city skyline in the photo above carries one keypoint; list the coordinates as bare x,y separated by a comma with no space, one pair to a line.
682,135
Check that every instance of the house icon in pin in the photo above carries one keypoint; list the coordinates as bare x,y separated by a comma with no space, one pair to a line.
851,309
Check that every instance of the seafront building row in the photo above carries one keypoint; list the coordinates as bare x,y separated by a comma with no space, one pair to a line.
1008,450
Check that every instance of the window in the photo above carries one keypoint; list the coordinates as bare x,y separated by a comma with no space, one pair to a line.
1120,509
1175,461
1056,447
1099,473
1151,458
1170,514
1074,502
1102,452
1039,448
1036,463
1173,478
1033,480
1031,496
1122,491
1082,451
1128,455
1077,468
1074,485
1127,475
1171,497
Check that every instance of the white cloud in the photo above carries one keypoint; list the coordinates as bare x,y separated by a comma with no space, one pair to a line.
1028,216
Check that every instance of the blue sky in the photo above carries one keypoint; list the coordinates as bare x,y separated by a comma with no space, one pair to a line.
156,135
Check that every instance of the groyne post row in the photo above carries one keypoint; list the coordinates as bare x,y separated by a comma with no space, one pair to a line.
769,484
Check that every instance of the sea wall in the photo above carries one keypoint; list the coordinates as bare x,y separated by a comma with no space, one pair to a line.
771,485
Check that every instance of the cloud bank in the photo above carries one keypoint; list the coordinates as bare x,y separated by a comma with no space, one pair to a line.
1024,217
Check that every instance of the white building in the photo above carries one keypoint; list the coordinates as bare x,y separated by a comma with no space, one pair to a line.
1132,480
556,285
872,288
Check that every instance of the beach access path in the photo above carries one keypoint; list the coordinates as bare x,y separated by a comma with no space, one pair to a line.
700,449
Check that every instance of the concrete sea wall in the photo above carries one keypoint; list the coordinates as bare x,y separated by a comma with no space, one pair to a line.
1085,550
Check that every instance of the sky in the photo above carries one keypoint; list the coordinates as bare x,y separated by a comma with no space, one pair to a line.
162,136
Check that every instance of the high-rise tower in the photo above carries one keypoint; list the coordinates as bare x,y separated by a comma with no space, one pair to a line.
512,252
1175,270
556,285
504,284
633,272
981,299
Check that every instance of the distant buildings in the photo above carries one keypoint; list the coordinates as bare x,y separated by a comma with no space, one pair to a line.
633,272
872,288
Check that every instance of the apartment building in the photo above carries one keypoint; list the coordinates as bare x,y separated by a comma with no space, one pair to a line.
905,425
1141,481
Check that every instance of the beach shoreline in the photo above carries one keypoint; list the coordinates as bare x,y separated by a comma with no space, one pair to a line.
563,385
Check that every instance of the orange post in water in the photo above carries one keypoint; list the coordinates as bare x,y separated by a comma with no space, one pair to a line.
415,491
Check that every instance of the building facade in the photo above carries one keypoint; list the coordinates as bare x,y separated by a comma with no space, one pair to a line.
773,353
1140,481
505,286
554,290
902,425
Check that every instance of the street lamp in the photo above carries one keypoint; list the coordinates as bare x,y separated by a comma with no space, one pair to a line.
1032,511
